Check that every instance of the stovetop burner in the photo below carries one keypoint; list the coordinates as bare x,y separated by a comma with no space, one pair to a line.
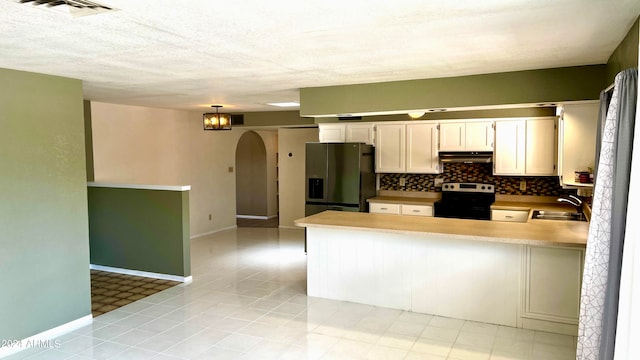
465,201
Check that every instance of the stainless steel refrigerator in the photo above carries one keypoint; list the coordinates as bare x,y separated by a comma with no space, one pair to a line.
339,176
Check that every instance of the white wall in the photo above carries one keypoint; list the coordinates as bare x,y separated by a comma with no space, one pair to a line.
168,147
291,168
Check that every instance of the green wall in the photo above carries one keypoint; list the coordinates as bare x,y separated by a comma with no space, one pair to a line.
44,256
136,229
521,87
626,54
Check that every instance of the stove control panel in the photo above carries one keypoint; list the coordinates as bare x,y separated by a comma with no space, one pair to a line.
469,187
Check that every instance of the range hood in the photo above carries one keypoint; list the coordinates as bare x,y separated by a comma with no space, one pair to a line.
468,157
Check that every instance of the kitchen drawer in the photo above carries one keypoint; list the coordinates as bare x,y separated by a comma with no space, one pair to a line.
510,215
382,208
417,210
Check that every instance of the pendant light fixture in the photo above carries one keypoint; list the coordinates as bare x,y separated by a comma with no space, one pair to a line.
217,120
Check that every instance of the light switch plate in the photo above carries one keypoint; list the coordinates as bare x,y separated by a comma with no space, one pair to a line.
523,185
402,181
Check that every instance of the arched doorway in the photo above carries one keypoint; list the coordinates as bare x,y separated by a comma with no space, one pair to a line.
251,179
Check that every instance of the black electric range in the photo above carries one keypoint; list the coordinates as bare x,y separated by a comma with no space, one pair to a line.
465,201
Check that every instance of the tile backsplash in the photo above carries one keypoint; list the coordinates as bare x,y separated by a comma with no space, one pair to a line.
460,172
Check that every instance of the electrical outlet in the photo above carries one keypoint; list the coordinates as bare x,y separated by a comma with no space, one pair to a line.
523,185
438,182
402,181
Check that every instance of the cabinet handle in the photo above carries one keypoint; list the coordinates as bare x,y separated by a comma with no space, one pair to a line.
384,208
416,211
509,217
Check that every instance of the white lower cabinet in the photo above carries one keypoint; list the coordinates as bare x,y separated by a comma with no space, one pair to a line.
510,215
400,209
384,208
416,210
552,281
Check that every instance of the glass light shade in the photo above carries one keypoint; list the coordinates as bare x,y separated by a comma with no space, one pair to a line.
416,114
216,121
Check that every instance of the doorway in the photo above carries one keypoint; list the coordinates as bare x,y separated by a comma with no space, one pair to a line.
252,180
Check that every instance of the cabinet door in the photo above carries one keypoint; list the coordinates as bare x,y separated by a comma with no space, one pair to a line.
390,148
332,132
553,277
360,133
510,215
509,155
541,146
577,140
422,148
479,136
452,136
416,210
384,208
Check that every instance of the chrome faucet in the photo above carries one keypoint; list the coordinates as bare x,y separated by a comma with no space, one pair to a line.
573,200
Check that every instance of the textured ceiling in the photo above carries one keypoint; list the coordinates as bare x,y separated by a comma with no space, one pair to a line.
189,54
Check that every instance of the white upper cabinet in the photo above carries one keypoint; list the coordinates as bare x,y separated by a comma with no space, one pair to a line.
525,146
479,136
422,148
541,152
576,140
452,136
390,148
360,133
332,132
467,135
509,154
407,148
346,132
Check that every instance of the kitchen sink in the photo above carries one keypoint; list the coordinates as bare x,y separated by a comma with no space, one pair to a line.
558,215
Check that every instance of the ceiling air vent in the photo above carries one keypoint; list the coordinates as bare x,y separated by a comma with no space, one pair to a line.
73,7
237,119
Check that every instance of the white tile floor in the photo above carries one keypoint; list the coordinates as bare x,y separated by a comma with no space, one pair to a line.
247,301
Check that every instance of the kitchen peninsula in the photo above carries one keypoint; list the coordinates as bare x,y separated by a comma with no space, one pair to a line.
516,274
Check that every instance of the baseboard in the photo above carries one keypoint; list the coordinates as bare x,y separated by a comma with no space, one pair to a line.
212,232
45,338
253,217
183,279
257,217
